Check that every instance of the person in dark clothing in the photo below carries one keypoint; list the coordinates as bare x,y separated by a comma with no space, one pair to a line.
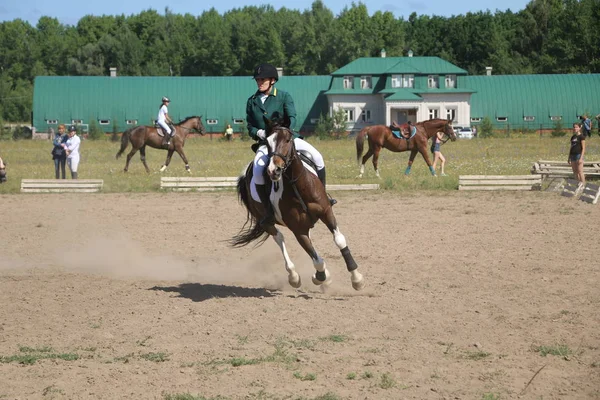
59,155
576,153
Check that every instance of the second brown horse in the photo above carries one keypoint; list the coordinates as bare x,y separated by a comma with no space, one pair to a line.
381,136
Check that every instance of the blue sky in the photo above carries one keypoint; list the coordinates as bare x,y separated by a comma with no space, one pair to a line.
70,11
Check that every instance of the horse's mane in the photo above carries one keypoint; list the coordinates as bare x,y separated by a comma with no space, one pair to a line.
188,118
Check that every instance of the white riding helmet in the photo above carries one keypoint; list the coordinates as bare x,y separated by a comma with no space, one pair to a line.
165,98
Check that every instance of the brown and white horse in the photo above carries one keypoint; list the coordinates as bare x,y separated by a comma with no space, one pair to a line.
299,200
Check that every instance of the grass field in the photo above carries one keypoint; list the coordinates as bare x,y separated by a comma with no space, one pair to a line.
28,159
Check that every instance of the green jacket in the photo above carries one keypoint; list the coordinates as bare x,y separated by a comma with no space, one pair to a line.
278,102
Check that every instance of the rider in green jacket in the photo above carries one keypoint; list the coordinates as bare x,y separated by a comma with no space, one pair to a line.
270,102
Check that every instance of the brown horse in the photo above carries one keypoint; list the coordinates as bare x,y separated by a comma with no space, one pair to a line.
299,200
140,136
381,136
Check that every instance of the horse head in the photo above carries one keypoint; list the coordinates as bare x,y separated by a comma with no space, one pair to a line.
449,130
200,126
280,141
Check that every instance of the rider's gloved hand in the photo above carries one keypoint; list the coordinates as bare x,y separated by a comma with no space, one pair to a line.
262,135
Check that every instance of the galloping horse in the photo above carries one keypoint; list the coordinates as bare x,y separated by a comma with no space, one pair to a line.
299,200
2,171
381,136
140,136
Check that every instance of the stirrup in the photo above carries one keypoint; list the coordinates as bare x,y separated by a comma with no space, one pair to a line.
332,201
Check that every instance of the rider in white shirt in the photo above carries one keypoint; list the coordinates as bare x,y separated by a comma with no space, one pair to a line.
163,118
72,147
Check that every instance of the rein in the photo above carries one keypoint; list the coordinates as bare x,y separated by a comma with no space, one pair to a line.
288,159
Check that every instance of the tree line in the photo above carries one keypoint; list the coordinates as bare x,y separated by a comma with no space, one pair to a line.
547,36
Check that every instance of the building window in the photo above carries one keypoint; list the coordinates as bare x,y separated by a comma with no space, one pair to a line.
314,121
555,118
365,82
349,114
475,119
131,122
104,121
212,121
238,121
365,115
348,82
52,121
396,81
433,81
501,119
434,113
76,121
408,81
451,114
529,118
450,81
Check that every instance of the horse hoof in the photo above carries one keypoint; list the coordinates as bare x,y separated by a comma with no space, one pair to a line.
295,281
162,169
358,283
320,278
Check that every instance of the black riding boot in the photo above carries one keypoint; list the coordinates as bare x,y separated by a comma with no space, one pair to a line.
263,193
74,175
322,177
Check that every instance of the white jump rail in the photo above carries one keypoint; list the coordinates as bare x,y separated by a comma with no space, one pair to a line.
61,185
204,184
499,182
562,169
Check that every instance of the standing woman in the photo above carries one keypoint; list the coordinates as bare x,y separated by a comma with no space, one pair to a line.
437,153
577,152
72,148
59,154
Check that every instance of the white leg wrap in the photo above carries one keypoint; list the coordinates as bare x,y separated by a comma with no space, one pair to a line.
339,239
293,277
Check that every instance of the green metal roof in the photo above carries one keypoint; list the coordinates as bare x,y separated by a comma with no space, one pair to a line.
404,95
540,96
399,65
67,98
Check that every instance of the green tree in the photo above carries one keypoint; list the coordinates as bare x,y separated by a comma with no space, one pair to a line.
485,128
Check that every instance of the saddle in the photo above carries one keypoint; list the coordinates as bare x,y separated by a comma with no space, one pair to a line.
160,130
404,131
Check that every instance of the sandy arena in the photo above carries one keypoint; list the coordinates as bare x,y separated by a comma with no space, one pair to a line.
138,296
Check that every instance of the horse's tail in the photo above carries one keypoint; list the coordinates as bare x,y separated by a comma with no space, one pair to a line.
124,141
251,230
360,143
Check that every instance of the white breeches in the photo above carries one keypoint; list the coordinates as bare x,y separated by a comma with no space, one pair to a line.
164,125
73,163
261,160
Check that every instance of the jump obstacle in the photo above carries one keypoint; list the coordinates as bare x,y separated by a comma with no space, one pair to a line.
206,184
499,182
562,169
61,185
588,193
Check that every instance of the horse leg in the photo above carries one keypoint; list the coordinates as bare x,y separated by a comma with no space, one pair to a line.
321,275
166,164
184,158
425,155
293,277
356,277
143,157
129,157
376,160
413,154
364,161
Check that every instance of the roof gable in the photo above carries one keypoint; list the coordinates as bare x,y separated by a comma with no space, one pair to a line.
399,65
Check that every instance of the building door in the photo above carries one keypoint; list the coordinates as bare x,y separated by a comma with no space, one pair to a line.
402,116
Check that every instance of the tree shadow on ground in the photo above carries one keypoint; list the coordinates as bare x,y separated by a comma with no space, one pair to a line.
202,292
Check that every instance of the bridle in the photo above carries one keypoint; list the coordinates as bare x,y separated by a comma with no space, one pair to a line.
287,159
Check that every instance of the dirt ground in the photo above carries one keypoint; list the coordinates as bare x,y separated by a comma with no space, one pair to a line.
138,296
